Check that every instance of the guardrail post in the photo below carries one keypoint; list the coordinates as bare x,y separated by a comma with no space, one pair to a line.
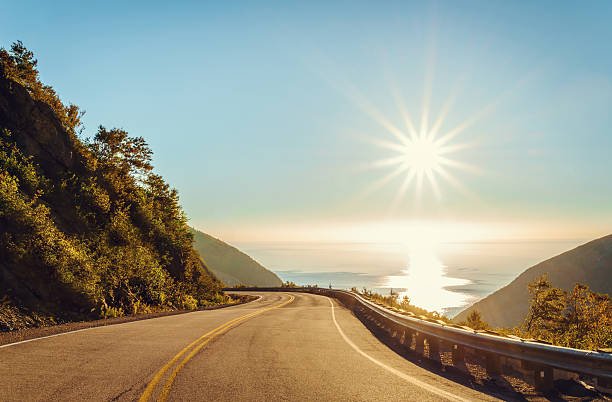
398,332
536,362
407,339
390,326
419,346
434,348
493,364
458,355
543,378
375,319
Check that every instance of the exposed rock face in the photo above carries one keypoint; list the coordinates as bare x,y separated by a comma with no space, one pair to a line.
36,128
590,264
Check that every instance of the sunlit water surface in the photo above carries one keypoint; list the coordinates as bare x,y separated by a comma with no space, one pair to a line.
444,277
425,282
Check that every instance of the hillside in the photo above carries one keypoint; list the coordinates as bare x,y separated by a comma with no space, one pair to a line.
231,265
590,264
88,229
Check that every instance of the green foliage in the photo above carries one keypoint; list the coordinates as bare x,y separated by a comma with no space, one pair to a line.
111,312
107,239
579,318
32,242
474,321
121,155
15,163
187,302
587,320
546,306
18,64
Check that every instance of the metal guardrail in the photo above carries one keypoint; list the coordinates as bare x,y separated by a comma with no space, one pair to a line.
533,355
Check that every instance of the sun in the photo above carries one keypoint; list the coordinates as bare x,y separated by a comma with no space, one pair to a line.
423,158
422,155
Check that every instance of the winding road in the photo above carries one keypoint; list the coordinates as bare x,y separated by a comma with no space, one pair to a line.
283,346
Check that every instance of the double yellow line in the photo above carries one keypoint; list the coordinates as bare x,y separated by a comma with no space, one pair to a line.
207,337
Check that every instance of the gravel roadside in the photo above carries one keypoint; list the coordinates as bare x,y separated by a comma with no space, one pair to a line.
39,332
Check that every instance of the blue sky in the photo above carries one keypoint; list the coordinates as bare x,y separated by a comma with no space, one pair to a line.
257,111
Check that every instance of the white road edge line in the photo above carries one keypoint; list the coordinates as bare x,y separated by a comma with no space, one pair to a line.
398,373
54,335
99,326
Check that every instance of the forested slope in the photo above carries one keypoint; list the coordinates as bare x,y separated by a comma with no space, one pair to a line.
589,264
88,229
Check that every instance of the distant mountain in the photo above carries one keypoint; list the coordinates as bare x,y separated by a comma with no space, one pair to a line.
590,264
231,265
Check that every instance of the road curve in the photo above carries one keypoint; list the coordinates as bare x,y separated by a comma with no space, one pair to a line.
281,347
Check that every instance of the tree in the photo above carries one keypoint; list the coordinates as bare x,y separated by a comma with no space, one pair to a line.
547,306
587,320
19,65
474,320
118,152
164,200
579,318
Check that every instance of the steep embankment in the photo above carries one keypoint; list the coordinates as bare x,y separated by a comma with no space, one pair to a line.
590,264
87,229
231,265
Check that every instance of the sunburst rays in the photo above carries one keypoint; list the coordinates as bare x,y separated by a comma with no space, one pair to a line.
423,157
409,135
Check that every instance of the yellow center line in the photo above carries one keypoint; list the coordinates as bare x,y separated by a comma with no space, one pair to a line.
213,333
149,390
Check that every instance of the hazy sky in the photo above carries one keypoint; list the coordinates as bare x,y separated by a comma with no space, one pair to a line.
262,114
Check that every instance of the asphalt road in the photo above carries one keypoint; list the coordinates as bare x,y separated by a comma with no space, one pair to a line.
281,347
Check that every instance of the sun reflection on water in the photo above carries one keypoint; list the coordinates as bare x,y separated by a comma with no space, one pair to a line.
425,281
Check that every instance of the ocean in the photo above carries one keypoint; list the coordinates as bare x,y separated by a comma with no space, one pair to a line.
445,277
